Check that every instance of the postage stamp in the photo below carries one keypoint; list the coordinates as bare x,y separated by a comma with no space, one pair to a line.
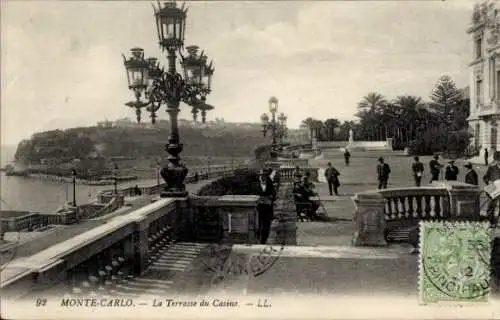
454,263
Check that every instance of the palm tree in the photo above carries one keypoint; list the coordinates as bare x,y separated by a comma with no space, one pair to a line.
330,125
310,124
372,101
412,112
370,107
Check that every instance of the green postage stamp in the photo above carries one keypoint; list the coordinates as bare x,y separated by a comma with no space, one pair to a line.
454,261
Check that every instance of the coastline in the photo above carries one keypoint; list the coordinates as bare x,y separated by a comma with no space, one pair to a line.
65,179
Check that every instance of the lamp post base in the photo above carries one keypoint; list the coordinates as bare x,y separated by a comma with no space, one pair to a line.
174,175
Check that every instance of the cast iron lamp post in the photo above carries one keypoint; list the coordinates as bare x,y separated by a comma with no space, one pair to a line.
273,126
74,174
169,88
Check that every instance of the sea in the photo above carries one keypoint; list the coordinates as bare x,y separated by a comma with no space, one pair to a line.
36,195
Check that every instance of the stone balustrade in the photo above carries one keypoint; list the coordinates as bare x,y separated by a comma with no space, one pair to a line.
287,174
390,214
132,239
126,245
293,162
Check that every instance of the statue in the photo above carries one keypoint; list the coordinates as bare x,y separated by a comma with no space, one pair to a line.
351,136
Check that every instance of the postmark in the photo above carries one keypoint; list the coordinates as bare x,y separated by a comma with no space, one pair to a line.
221,263
454,261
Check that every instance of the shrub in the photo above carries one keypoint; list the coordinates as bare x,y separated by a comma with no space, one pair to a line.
244,181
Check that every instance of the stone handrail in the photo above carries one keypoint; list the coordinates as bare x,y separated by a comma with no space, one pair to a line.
130,238
127,244
381,214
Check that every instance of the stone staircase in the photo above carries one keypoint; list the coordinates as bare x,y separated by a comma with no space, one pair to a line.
166,267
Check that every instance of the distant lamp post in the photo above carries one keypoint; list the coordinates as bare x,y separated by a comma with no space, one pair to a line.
73,171
115,178
167,87
275,126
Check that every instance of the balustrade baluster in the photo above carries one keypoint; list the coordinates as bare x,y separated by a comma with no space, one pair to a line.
419,206
402,200
389,209
397,211
437,206
410,207
427,208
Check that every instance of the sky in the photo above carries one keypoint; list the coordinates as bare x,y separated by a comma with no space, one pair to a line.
62,66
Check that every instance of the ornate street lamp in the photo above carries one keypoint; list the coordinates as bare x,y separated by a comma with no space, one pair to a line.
167,87
275,126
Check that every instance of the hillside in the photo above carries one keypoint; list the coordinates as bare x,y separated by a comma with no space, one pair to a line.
59,148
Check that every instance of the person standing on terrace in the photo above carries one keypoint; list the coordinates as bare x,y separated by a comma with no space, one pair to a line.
418,171
265,205
471,175
435,168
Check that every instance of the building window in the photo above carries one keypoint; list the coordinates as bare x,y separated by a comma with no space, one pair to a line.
479,92
477,132
492,74
479,48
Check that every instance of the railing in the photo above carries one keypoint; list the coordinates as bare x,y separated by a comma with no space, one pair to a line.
92,258
203,174
416,203
288,174
390,214
294,162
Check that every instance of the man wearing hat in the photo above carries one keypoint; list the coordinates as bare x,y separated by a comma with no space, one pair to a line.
471,174
418,170
265,205
493,171
435,168
451,173
383,171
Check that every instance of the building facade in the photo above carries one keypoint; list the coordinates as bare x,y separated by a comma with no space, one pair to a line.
485,77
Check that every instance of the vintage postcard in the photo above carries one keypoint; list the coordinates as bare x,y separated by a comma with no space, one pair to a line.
249,159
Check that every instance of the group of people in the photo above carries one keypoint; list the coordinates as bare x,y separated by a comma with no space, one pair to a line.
450,174
307,202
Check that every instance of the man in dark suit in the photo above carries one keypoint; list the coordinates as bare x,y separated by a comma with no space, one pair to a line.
383,171
332,178
417,168
347,156
435,168
471,175
451,172
265,205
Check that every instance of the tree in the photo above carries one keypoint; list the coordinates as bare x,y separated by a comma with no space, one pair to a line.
330,125
372,101
311,124
446,96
